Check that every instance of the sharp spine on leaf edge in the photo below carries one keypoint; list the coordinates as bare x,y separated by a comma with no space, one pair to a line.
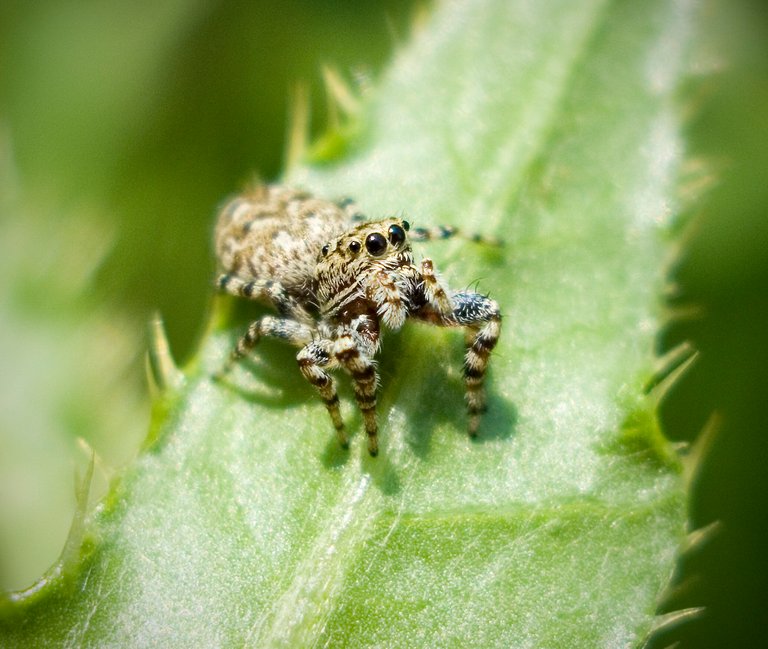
162,372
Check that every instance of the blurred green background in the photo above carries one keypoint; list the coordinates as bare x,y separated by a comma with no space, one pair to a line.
123,125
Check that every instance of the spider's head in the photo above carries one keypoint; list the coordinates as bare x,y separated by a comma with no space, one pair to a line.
347,263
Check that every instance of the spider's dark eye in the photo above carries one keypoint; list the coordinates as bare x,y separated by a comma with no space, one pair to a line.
396,235
406,226
354,247
324,250
375,243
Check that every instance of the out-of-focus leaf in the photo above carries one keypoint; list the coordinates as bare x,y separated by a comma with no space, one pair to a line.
65,380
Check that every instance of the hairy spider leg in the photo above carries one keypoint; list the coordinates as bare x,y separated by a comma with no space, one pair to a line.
268,291
481,318
448,232
314,361
290,331
365,381
482,321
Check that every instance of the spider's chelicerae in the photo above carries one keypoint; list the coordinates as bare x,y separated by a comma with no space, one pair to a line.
334,280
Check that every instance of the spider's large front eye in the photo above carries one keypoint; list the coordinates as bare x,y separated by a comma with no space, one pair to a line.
396,235
375,243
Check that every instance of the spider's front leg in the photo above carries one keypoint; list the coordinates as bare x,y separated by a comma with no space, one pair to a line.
321,356
481,319
356,358
315,359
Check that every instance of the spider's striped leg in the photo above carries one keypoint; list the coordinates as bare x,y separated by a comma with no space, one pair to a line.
314,360
448,232
292,332
365,380
436,232
482,321
264,290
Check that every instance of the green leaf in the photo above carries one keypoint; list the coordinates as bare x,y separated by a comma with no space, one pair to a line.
549,125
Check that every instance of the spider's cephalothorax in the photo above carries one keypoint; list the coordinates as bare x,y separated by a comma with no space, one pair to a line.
335,280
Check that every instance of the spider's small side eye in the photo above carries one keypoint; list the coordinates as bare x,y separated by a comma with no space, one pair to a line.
375,243
354,247
406,226
396,235
324,250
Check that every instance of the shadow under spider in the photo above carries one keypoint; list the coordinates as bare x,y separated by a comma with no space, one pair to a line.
274,368
441,401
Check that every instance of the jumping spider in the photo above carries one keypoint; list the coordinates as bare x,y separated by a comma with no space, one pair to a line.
334,279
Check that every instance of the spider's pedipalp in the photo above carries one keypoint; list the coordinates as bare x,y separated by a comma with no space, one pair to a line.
434,291
391,306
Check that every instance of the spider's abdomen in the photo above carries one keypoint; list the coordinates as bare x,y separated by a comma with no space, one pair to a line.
275,233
